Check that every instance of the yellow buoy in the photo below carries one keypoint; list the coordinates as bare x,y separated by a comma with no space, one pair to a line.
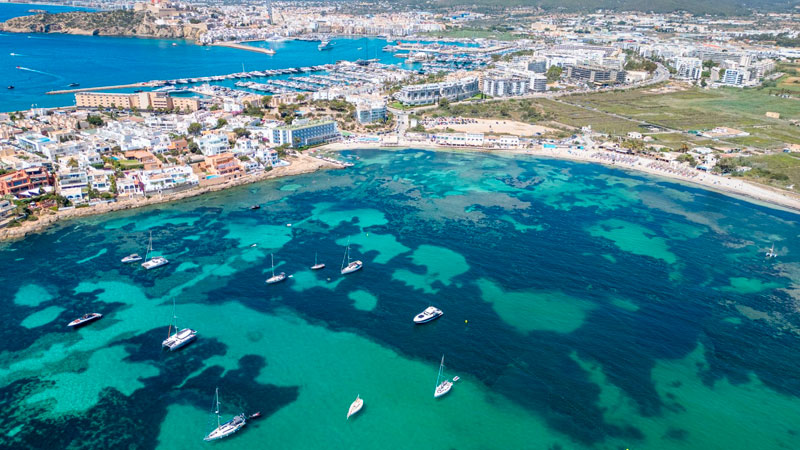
466,321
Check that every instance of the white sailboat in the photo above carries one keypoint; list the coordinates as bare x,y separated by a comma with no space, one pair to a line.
317,265
351,266
156,261
355,406
225,429
181,337
771,253
443,385
275,278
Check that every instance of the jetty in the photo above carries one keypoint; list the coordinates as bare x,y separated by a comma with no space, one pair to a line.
104,88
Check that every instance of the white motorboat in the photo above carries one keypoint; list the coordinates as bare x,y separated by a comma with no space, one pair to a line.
275,278
317,265
84,319
351,266
355,406
156,261
226,429
325,44
443,385
133,257
430,313
180,337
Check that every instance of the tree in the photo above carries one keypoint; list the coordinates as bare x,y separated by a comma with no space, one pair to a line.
266,101
444,103
96,121
687,158
195,128
221,123
241,132
554,73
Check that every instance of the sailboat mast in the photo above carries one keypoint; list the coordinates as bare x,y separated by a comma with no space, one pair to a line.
217,411
273,263
174,319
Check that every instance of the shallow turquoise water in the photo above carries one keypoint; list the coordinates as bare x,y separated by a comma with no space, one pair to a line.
585,308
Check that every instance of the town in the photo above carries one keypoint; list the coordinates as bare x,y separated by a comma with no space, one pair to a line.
544,83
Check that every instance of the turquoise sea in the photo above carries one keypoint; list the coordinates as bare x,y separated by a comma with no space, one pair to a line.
37,63
584,308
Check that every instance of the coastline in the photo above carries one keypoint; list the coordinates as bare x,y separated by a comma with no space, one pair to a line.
300,164
738,188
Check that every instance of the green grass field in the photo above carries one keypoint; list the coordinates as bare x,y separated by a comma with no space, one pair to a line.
787,164
696,109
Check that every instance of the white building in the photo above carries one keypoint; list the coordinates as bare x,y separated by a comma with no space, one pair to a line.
213,144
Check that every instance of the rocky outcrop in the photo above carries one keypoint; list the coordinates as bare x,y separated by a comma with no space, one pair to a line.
104,23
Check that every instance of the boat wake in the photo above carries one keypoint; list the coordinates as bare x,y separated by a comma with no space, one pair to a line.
15,54
38,71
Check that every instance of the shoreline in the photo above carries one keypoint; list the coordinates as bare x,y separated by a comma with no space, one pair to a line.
300,165
732,187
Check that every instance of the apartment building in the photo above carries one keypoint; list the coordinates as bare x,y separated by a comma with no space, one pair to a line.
139,100
305,132
429,93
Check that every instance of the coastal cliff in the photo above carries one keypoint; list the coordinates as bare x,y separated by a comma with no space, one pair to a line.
104,23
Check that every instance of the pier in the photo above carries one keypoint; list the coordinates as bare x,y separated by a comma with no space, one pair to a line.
103,88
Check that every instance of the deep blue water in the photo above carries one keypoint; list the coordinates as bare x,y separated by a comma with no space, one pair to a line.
585,307
53,61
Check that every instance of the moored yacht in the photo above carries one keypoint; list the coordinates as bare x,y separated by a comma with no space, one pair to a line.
84,319
325,44
771,252
430,313
156,261
225,429
181,337
317,265
351,266
133,257
355,406
275,278
443,385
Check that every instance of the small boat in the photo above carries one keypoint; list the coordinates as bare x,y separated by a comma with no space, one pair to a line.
133,257
355,406
180,338
156,261
275,278
317,265
174,44
456,379
84,319
351,266
771,253
226,429
10,86
255,415
430,313
74,84
254,207
443,385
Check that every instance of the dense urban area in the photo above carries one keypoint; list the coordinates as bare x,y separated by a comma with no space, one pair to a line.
697,97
